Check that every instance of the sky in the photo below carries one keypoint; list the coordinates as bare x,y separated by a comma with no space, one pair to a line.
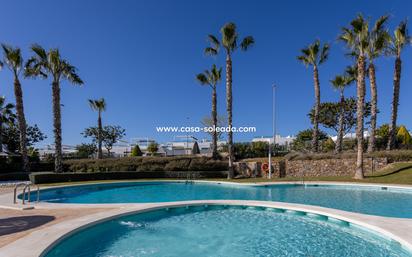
142,57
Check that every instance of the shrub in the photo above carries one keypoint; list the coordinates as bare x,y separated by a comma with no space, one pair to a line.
303,139
393,156
136,151
152,148
14,164
50,177
328,145
181,163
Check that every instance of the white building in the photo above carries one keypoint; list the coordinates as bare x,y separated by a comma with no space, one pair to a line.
283,141
351,135
50,149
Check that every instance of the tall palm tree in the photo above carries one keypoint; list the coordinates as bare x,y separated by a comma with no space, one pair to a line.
6,116
315,55
378,41
44,64
99,105
212,78
14,61
340,83
399,40
230,43
356,38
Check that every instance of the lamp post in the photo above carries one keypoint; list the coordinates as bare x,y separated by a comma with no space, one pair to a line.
273,130
187,138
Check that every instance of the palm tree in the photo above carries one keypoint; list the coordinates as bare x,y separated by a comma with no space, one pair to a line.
99,105
44,64
230,43
399,40
211,78
378,41
14,61
340,83
356,38
6,116
315,55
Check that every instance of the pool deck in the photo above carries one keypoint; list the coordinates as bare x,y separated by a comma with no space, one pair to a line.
28,233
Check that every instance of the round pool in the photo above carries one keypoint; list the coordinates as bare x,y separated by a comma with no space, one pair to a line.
374,200
225,231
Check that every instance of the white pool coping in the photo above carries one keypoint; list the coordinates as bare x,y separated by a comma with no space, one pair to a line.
35,243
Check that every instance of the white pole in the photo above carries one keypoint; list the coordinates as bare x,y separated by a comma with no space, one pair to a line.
273,131
274,116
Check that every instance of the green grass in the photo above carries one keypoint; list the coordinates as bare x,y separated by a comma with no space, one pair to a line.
396,173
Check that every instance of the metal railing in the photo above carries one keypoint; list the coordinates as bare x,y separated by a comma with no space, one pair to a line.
27,188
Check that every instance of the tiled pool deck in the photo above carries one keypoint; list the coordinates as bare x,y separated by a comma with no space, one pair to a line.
28,233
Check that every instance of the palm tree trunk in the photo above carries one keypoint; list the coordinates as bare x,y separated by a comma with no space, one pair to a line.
99,136
22,123
395,103
214,117
359,115
374,107
230,174
315,141
58,159
1,133
339,140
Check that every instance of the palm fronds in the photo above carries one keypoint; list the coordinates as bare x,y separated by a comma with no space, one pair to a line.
12,58
97,104
210,77
314,54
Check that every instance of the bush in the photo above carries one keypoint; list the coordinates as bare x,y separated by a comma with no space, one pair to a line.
181,163
393,156
303,140
50,177
14,164
136,151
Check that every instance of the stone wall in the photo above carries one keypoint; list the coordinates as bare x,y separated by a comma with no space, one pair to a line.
310,168
331,167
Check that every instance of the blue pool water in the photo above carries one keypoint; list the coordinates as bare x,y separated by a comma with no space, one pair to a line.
368,200
225,231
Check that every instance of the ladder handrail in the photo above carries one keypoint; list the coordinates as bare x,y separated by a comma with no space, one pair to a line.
15,191
27,186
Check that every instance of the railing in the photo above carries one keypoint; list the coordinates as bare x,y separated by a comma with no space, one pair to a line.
27,186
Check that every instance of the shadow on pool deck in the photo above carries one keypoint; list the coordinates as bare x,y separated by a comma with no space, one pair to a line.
17,224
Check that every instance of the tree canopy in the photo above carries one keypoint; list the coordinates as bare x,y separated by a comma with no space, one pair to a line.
111,134
329,114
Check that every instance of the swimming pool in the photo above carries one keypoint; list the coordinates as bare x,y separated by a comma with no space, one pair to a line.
374,200
225,231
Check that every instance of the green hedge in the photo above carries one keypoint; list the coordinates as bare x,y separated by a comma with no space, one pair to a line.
146,164
14,176
14,164
50,177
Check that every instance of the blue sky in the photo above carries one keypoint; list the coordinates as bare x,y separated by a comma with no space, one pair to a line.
142,57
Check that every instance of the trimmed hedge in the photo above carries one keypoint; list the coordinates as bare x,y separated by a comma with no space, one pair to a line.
142,164
14,164
51,177
14,176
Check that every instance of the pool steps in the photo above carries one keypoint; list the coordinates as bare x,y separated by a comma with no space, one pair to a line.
324,218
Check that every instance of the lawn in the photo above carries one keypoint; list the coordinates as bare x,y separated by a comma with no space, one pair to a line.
396,173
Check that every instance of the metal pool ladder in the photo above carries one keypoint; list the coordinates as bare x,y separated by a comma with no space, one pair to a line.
26,188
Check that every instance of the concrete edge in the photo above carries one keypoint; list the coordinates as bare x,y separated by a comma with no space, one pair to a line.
39,242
